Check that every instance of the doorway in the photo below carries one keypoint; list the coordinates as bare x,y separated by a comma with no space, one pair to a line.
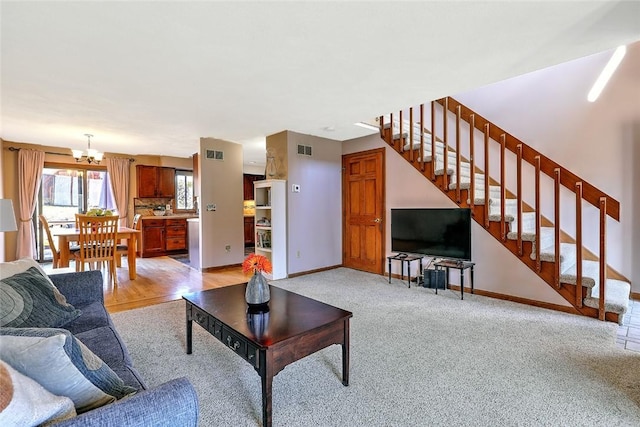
65,191
364,210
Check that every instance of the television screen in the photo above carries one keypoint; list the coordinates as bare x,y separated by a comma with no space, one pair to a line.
441,232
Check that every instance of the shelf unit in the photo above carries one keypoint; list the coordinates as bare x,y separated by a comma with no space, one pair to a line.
271,224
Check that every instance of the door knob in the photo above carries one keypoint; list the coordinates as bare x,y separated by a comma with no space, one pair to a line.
377,220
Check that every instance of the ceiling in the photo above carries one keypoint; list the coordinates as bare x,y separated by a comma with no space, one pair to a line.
154,77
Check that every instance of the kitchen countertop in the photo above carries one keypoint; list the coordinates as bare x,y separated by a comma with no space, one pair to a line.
173,216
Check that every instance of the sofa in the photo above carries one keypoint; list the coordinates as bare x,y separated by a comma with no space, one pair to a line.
173,403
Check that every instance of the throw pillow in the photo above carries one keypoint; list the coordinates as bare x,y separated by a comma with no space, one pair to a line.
11,268
29,300
14,267
63,365
24,402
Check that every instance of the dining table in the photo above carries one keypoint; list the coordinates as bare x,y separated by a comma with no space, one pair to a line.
67,235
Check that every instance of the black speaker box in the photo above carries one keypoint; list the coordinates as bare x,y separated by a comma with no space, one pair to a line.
433,279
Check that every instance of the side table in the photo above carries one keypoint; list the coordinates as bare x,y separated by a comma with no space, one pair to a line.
460,265
404,258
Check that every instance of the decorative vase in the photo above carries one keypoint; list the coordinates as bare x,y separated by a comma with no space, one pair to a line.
271,167
257,292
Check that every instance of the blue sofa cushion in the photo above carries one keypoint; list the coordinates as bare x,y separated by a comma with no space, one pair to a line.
63,365
93,316
28,299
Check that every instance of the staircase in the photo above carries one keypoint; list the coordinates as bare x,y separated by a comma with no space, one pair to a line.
558,258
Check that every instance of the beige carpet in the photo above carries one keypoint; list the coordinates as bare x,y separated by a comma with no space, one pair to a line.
417,359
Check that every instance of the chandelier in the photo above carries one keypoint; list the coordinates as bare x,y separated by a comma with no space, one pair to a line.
92,156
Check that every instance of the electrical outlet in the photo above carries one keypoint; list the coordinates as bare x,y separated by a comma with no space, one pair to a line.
227,248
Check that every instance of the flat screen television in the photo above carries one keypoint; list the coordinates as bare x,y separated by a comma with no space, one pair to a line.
439,233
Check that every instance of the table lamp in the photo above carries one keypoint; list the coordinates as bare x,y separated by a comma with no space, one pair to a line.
7,217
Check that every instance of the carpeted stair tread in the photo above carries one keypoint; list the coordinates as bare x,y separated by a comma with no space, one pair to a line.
529,229
567,254
494,193
590,273
465,181
509,209
616,299
547,239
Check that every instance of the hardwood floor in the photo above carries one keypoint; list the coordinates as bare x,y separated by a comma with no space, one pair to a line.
159,280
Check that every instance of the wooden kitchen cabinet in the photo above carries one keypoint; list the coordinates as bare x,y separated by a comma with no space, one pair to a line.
249,231
153,237
155,181
176,231
162,236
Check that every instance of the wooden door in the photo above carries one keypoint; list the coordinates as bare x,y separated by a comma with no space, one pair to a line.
364,211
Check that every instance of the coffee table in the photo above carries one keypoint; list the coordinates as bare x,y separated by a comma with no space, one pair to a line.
293,327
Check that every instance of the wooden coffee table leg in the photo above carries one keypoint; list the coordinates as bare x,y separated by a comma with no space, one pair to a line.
266,375
189,330
345,354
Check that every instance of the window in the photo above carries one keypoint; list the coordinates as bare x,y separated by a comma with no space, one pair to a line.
184,190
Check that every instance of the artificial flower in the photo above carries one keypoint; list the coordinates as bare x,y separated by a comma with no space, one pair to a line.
254,263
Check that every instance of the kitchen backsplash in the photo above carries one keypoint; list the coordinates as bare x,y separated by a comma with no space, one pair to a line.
146,206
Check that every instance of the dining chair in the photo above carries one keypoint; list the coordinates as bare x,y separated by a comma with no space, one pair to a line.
97,239
52,243
123,249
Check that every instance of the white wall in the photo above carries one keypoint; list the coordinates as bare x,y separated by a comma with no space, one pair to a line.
497,269
221,184
315,213
548,110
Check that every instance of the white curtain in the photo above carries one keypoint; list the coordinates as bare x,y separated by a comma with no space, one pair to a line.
30,165
118,170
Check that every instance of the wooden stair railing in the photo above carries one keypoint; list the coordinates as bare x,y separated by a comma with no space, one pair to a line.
561,177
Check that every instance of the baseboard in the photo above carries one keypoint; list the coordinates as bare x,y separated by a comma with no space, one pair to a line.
317,270
635,296
219,267
526,301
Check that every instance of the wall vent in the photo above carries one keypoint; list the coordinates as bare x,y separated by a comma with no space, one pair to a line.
215,155
304,150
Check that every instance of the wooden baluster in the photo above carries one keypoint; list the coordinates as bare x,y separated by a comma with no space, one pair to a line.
486,176
433,141
538,219
400,149
422,127
381,124
519,196
458,112
503,145
411,134
472,163
556,173
579,244
603,256
445,176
